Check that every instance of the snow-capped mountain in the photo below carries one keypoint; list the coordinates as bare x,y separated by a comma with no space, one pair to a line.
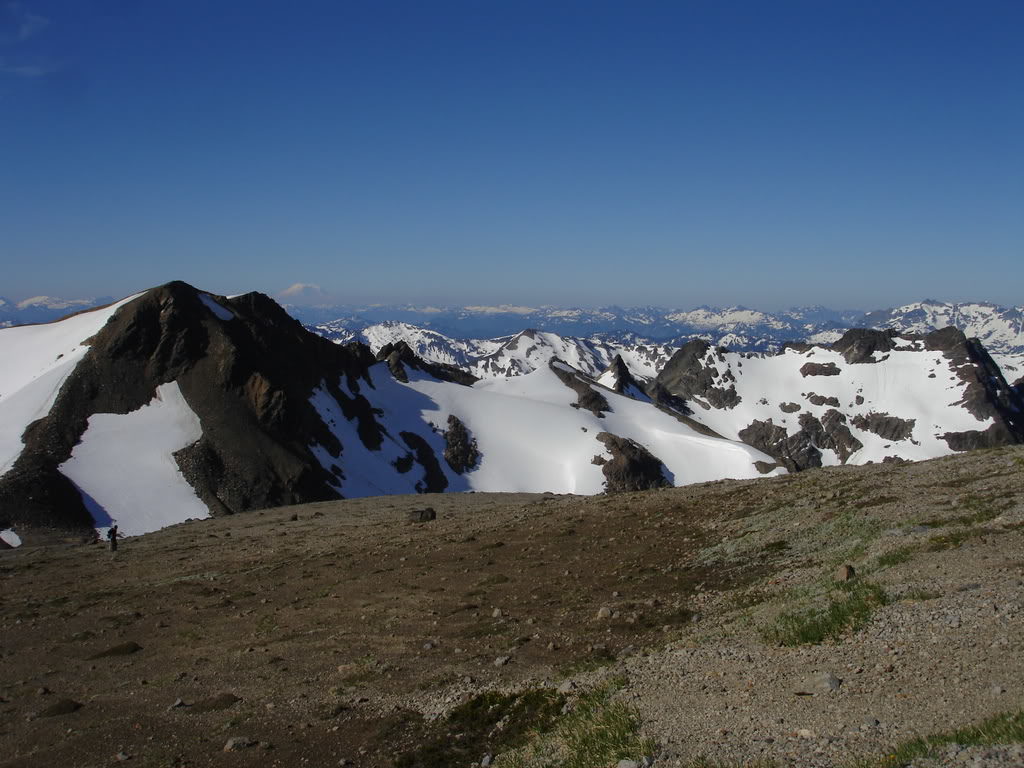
754,330
513,355
872,396
43,309
603,333
176,403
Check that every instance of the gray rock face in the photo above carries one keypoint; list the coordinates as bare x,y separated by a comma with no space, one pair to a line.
884,425
832,433
460,451
794,452
819,369
814,399
685,375
632,467
858,345
800,450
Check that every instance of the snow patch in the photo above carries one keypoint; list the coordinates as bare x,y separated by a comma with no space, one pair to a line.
221,312
36,361
125,469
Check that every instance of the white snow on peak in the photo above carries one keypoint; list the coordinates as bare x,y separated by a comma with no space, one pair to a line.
124,465
8,535
36,361
222,313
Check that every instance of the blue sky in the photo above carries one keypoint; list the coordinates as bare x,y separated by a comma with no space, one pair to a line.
854,154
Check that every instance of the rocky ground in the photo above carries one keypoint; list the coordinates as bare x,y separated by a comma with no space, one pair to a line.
717,620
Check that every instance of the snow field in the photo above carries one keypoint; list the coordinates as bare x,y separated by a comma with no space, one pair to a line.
125,469
37,360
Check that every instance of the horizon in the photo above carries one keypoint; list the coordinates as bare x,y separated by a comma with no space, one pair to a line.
523,308
657,154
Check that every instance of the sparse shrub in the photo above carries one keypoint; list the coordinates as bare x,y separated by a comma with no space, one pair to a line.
895,557
597,732
1006,728
849,608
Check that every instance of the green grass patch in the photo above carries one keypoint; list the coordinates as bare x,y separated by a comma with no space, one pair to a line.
895,557
486,724
849,607
597,732
1006,728
952,540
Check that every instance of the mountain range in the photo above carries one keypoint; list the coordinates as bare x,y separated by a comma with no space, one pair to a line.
468,334
176,403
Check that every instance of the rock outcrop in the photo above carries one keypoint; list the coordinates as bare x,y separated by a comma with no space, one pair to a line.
631,468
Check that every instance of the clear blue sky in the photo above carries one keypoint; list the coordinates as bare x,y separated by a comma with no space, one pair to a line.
853,153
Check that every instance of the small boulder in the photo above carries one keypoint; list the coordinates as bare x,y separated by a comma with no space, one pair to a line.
845,573
60,707
236,743
424,515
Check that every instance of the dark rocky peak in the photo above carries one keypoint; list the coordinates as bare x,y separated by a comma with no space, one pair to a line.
622,377
686,376
858,345
950,340
246,369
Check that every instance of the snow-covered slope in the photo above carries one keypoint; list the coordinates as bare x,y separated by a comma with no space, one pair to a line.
528,435
34,362
125,469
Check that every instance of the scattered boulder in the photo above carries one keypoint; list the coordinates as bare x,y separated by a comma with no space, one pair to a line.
424,515
789,407
845,573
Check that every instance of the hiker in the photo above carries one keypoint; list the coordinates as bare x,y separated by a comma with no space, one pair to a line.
112,537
